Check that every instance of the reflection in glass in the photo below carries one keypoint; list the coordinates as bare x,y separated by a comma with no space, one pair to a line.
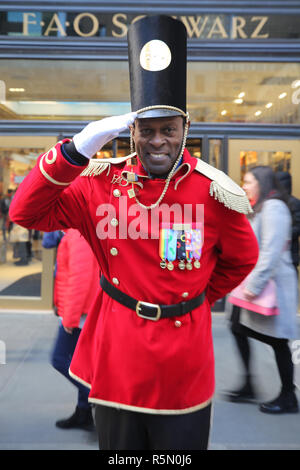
194,146
250,92
278,160
20,249
215,153
243,92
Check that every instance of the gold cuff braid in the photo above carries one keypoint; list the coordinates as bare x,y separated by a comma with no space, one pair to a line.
48,177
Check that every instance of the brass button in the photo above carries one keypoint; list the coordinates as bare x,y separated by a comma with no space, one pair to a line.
114,222
185,294
116,192
115,281
114,251
178,324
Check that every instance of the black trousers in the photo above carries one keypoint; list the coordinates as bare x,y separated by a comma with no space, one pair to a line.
280,347
120,429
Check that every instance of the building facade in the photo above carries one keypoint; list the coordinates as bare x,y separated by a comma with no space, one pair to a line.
63,64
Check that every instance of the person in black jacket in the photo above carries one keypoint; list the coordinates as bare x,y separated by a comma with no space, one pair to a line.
285,181
4,208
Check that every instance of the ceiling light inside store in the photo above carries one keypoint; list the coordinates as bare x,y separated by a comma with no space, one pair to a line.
238,101
242,94
269,105
258,113
16,90
38,102
282,95
295,84
224,112
67,108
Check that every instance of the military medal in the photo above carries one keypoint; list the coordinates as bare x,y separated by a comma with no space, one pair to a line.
162,247
196,243
181,264
181,255
197,264
189,265
170,266
171,248
188,249
167,248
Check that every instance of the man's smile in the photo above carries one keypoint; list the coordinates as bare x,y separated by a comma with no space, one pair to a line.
158,142
158,155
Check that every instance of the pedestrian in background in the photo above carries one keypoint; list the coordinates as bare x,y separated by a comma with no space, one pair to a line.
4,207
52,240
271,222
76,285
285,181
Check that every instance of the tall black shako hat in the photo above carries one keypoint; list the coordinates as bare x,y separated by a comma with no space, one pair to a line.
157,66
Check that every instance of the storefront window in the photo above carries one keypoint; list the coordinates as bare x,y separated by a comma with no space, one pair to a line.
20,249
26,268
194,146
235,92
215,153
244,92
278,160
281,155
63,90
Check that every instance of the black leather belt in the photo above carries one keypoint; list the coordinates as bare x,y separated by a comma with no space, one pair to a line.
147,310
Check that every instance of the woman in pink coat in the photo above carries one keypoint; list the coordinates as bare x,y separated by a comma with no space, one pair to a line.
76,285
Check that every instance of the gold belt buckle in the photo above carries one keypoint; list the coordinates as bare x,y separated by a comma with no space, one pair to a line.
147,304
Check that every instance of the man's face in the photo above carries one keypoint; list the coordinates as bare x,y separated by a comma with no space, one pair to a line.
158,142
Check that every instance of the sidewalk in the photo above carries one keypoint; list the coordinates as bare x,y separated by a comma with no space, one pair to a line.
33,395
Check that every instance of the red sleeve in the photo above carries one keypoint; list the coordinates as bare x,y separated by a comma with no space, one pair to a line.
50,197
237,253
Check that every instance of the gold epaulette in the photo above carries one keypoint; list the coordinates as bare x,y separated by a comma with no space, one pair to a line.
97,166
224,189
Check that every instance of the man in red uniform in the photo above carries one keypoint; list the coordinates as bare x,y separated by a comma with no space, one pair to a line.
171,237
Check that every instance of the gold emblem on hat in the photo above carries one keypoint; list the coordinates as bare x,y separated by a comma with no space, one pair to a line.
155,56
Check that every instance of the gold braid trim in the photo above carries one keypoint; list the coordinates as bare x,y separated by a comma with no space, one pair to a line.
48,177
163,106
95,168
230,200
224,189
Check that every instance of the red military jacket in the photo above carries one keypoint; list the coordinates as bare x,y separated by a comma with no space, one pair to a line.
164,366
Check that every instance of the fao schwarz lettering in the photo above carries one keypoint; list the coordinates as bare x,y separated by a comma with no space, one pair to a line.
198,26
207,27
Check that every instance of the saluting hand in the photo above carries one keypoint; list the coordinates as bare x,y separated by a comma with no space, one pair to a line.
97,133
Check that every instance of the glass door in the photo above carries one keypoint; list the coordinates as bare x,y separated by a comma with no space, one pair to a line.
26,269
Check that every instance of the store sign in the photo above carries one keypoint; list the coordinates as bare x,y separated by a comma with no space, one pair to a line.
63,24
